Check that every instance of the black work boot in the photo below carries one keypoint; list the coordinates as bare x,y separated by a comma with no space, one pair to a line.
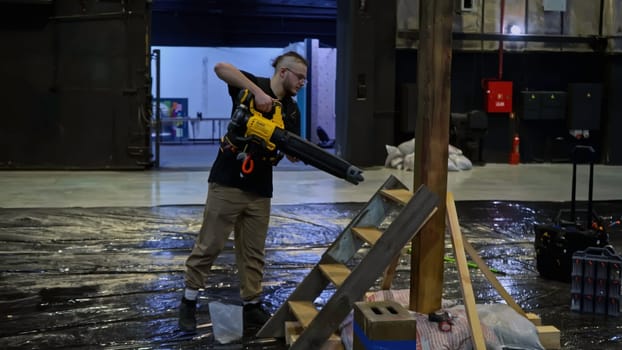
187,315
255,316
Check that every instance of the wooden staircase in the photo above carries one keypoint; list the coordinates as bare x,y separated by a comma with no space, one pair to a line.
391,218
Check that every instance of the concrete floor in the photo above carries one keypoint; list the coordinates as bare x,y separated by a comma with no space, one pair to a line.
184,171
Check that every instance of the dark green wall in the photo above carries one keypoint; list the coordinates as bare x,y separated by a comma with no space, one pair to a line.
75,85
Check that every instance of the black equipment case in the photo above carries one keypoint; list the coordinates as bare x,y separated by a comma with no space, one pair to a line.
556,242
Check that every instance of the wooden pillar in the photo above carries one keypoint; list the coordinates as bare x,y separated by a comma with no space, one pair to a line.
431,142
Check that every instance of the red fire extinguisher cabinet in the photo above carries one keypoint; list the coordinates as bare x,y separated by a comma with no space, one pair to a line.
498,96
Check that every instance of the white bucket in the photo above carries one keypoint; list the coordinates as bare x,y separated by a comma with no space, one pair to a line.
226,322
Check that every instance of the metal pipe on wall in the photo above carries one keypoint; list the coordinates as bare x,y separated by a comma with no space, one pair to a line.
578,28
158,124
501,20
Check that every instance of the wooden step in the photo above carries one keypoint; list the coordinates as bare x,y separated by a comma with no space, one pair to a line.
368,234
401,196
293,330
304,311
336,273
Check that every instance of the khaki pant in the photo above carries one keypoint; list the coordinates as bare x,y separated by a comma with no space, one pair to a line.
230,209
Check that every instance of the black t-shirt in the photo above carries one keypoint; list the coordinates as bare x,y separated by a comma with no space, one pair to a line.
227,169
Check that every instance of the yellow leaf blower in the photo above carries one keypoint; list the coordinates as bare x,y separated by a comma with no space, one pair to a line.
249,125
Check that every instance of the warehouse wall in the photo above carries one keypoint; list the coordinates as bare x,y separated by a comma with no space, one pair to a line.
557,44
75,85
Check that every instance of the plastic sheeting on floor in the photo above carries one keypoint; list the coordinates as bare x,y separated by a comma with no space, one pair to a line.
112,277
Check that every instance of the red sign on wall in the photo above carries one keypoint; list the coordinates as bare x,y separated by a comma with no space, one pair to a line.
498,96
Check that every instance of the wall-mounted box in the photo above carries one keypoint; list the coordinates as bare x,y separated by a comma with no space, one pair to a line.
584,106
467,5
530,105
498,96
553,105
554,5
542,105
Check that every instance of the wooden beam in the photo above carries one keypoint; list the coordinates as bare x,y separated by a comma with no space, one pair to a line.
431,150
477,335
294,328
492,278
389,274
401,196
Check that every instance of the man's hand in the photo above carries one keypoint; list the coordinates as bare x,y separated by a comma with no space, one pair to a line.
263,102
292,158
233,76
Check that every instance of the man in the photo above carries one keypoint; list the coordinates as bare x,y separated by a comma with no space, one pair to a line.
239,201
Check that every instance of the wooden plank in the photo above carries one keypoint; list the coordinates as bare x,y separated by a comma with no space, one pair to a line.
477,335
336,273
368,234
401,196
549,337
293,330
333,343
492,278
389,274
431,151
304,311
535,319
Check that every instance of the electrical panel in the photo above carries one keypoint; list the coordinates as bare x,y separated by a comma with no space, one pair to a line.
584,106
542,105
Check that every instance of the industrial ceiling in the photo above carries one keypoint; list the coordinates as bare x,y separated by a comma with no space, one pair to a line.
243,23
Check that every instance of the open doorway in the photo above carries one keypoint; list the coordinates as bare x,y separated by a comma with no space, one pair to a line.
194,105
